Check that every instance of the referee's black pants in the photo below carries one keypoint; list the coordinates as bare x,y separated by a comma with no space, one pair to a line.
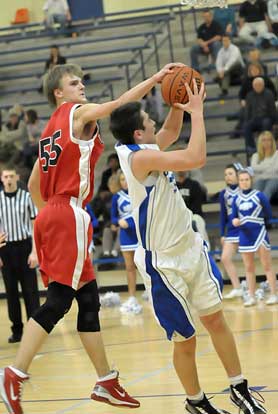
16,270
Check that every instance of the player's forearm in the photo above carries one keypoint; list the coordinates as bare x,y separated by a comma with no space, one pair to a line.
171,128
197,143
92,112
34,250
36,197
137,92
34,187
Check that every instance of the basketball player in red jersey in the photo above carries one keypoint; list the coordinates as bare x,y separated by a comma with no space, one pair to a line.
61,184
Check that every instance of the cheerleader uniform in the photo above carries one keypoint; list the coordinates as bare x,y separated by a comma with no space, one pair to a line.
121,209
227,229
253,209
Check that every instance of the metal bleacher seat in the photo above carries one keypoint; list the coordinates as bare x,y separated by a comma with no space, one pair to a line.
29,31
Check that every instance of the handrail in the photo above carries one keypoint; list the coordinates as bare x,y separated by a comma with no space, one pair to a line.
83,41
76,55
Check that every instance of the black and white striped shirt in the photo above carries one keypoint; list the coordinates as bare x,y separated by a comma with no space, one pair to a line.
16,212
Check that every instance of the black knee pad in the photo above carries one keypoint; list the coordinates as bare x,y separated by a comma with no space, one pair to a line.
58,302
88,308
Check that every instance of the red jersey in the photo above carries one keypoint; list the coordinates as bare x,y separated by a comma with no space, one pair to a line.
67,163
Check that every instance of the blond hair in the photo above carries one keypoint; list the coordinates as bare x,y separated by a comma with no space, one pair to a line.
53,79
260,148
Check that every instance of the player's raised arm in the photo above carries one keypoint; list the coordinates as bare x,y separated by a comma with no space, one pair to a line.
171,128
194,156
92,112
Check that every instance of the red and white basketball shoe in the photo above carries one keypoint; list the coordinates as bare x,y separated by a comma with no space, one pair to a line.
11,388
111,392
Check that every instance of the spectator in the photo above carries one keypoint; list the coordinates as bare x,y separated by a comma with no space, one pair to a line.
271,38
110,238
56,11
101,206
227,20
265,165
35,127
19,257
253,20
194,196
229,64
197,175
254,70
251,211
54,59
254,56
208,38
192,192
15,130
260,112
113,166
272,10
121,217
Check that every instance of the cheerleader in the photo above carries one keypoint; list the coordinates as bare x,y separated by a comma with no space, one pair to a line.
121,217
229,233
250,211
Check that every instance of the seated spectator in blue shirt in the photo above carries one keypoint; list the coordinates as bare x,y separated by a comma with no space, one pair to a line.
227,20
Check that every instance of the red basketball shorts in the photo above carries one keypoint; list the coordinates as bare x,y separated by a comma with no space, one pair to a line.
63,233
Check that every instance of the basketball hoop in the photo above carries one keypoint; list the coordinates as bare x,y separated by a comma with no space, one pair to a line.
204,3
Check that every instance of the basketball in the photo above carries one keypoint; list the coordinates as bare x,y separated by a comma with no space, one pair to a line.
173,89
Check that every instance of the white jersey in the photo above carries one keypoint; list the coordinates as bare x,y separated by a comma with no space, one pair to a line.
171,257
161,217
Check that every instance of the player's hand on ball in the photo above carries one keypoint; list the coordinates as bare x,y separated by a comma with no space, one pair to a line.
196,99
166,70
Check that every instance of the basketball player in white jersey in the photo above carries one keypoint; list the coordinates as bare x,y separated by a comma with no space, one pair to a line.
173,260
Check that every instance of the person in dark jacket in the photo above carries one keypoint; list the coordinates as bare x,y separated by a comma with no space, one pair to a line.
260,112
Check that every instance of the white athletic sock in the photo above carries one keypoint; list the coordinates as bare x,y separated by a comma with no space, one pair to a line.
196,398
236,380
19,373
112,374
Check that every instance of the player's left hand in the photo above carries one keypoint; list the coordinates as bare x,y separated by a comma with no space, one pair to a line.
32,260
196,99
166,70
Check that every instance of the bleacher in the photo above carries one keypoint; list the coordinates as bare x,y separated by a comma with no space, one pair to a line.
116,62
119,50
158,35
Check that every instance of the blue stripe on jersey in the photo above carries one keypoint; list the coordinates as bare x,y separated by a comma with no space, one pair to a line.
134,147
168,310
143,216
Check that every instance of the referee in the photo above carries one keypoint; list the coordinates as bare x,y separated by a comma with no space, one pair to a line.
19,257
